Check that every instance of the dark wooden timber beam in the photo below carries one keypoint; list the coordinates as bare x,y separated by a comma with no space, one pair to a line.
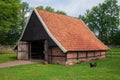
65,56
86,54
77,55
51,54
46,51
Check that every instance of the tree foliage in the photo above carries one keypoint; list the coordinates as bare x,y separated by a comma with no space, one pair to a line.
61,12
117,38
103,20
24,10
11,18
50,9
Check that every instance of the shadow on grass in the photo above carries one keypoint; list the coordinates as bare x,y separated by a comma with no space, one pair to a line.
13,58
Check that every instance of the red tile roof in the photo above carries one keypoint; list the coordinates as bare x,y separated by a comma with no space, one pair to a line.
71,33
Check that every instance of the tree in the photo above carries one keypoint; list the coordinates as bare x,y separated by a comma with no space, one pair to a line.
40,7
61,12
24,10
10,21
50,9
103,20
116,37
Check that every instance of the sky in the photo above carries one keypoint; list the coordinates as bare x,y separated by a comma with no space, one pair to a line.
71,7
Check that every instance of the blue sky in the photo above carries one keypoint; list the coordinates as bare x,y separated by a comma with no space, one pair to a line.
71,7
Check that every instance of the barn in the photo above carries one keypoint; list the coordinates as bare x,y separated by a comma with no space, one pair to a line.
60,39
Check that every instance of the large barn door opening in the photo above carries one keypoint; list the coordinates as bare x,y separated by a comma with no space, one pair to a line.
37,50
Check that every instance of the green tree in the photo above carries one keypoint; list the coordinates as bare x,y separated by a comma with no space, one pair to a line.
116,37
50,9
9,21
25,9
61,12
40,7
103,20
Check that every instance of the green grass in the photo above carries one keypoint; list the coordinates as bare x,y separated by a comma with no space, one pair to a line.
4,57
115,51
107,69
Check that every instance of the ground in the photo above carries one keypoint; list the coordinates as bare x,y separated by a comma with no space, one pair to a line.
16,63
107,69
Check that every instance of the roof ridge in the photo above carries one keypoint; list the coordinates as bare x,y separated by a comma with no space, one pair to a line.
58,14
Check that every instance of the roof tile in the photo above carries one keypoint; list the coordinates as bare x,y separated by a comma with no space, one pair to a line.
71,32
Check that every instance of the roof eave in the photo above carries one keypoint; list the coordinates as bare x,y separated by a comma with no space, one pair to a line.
86,50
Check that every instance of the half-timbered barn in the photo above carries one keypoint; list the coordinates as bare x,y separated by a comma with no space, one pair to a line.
57,38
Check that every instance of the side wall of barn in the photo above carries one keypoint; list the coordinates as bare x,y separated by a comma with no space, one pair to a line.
84,56
56,56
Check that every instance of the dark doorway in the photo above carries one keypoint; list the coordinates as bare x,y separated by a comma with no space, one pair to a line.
37,49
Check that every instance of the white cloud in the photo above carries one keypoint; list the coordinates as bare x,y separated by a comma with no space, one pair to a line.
75,7
71,7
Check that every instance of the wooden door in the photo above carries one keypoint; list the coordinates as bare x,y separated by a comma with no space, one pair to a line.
23,49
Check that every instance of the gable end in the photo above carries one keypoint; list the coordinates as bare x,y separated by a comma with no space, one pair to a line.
49,33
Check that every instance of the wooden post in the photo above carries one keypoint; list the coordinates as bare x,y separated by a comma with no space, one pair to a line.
110,53
51,54
65,57
94,53
100,53
86,54
46,51
77,55
30,50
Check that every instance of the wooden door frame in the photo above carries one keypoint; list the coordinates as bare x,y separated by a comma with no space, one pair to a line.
46,50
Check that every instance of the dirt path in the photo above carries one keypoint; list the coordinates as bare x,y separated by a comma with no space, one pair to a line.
15,63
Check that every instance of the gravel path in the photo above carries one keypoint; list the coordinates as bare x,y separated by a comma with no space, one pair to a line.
15,63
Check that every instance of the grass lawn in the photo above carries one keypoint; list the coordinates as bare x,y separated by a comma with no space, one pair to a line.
4,57
115,51
107,69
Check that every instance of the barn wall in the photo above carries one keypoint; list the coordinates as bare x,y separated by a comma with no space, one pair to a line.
56,56
23,49
84,56
35,31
